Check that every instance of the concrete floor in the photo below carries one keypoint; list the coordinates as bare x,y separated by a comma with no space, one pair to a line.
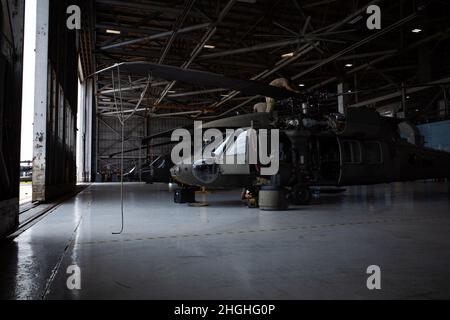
226,251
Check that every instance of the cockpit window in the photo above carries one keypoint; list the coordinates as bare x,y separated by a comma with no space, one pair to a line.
239,147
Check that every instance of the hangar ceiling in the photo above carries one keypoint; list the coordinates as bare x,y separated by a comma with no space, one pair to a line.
316,43
313,42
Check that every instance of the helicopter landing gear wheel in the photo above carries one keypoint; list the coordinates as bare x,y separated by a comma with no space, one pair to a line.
250,197
184,195
301,195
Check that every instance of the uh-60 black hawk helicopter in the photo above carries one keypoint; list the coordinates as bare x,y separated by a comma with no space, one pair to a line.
315,149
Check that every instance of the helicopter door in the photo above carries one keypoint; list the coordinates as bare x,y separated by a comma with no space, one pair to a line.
352,167
329,160
362,162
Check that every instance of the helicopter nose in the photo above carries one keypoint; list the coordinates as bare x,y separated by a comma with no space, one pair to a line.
206,172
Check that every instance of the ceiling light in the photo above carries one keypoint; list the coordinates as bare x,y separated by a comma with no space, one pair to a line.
209,46
110,31
288,55
301,85
349,65
417,30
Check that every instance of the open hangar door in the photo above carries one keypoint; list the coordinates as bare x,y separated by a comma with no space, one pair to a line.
55,110
56,95
11,54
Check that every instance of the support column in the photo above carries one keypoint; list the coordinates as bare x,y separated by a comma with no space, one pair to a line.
342,97
404,102
80,131
85,131
40,104
89,98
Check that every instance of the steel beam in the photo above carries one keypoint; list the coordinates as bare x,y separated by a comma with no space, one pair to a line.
130,29
268,45
377,60
398,94
285,62
264,46
148,6
266,73
157,36
349,57
195,93
178,24
356,45
153,115
212,28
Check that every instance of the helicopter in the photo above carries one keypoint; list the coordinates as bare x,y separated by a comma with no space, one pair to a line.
314,149
156,171
362,148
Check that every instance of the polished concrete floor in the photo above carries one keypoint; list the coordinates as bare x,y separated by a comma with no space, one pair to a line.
226,251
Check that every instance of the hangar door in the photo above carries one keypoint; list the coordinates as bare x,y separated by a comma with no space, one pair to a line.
11,50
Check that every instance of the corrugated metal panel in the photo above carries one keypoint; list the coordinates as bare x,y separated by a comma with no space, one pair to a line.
162,125
110,140
136,128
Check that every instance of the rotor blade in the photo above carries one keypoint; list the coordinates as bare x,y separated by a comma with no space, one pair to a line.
164,134
145,141
202,78
254,120
162,144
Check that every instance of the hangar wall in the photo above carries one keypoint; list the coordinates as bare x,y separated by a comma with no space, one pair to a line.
54,167
109,137
109,142
11,64
161,125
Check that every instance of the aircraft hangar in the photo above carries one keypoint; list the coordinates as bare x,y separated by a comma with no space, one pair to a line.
107,108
